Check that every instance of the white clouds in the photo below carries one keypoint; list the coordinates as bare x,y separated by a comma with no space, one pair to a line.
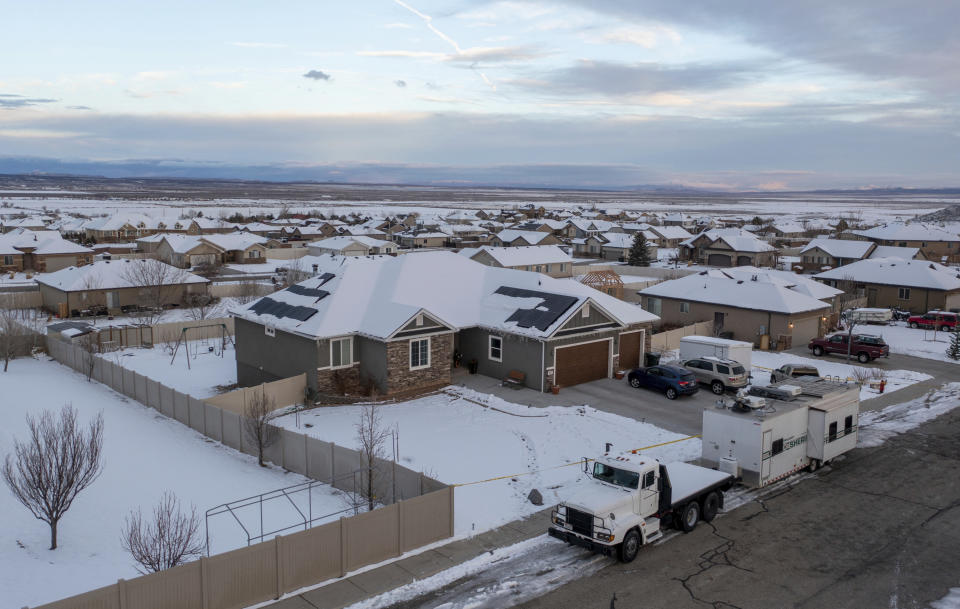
647,37
259,45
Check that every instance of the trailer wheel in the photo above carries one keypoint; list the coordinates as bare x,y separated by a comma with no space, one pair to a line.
863,357
689,516
630,547
814,465
711,505
818,350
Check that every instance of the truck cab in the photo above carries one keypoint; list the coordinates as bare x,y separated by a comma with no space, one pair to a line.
628,498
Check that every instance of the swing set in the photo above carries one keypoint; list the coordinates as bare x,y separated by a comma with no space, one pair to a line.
224,338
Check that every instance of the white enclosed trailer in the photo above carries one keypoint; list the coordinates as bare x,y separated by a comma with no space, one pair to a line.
709,346
781,437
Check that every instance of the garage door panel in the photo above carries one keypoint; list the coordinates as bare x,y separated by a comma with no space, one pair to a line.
630,346
719,260
582,363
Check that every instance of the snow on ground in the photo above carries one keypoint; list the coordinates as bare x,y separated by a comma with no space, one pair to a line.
18,279
950,601
144,454
877,427
765,361
457,440
908,341
207,368
270,266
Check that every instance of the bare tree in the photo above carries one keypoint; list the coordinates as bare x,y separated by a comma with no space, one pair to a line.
14,336
89,347
171,537
258,414
247,290
158,283
295,272
372,437
202,306
59,459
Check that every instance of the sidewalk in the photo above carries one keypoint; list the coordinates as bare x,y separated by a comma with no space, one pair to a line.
355,588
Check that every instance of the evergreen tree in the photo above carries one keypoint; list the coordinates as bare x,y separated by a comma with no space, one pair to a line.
639,251
953,351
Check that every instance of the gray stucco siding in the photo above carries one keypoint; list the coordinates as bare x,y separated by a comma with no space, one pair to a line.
262,358
578,320
372,355
518,353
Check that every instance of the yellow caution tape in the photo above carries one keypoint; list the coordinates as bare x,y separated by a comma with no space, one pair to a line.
581,462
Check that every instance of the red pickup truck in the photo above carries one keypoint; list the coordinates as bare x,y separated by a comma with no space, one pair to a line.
934,320
865,347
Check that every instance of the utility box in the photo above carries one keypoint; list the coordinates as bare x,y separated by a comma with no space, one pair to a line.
709,346
771,438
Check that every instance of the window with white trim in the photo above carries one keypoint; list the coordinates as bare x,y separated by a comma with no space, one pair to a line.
419,353
496,348
270,330
654,305
684,307
341,352
903,294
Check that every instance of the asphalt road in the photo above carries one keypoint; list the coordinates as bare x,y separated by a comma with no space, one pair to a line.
879,528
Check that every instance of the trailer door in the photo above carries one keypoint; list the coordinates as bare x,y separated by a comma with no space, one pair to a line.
766,456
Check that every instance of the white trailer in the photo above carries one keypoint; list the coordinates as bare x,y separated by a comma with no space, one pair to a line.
870,315
709,346
771,438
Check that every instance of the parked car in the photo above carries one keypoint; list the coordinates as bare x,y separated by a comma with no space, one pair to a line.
934,320
865,347
671,380
720,374
792,371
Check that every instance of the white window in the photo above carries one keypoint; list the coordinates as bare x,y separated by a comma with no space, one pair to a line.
419,320
253,254
654,305
563,267
496,349
585,311
684,307
904,294
341,352
419,353
270,330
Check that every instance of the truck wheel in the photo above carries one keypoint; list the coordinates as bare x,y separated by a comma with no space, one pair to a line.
635,383
863,357
711,505
671,393
914,325
628,550
689,516
944,328
717,387
818,350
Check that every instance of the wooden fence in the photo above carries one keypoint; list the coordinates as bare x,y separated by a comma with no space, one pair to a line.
665,341
418,510
284,392
119,336
20,300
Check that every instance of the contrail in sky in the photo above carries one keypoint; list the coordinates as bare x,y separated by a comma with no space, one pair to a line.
456,47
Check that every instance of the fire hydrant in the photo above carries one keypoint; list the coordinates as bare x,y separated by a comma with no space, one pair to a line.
883,384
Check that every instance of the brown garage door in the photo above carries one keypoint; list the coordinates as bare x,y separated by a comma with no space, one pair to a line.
630,347
719,260
581,363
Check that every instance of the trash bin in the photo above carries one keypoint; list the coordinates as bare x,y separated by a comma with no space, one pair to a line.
651,359
472,366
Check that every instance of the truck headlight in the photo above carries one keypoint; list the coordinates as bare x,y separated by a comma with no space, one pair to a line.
604,537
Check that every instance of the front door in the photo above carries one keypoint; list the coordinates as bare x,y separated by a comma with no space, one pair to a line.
718,322
871,297
766,455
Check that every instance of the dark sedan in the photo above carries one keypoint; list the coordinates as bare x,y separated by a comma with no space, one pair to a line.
671,380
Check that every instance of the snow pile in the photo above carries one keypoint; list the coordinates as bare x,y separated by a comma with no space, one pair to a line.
950,601
918,342
877,427
765,361
207,370
466,436
144,453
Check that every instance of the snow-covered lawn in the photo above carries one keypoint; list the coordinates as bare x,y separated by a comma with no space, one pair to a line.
460,441
765,361
144,454
207,368
877,427
916,342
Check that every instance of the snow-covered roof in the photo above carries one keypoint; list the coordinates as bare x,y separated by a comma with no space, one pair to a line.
805,284
524,255
912,231
377,296
624,240
235,241
339,243
840,248
892,251
898,272
760,291
671,232
715,233
181,244
39,242
112,275
790,228
530,236
746,243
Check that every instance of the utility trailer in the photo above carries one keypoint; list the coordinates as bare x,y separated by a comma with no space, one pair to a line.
871,315
799,423
629,498
709,346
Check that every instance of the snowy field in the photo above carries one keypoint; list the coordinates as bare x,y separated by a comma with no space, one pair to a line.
877,427
207,369
144,454
765,361
908,341
457,441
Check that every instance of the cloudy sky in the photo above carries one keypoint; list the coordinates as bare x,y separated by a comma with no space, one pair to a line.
724,95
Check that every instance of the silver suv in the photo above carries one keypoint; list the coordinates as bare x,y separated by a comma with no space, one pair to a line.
720,374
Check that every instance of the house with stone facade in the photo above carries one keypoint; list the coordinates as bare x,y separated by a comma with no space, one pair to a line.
917,286
727,248
41,251
392,325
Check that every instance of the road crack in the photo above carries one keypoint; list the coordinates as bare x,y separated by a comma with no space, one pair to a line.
716,556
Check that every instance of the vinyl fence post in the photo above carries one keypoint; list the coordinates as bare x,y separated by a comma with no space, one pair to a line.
278,546
400,539
343,546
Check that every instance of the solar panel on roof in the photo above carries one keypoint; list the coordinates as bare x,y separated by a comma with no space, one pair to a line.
269,306
543,315
326,277
305,291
